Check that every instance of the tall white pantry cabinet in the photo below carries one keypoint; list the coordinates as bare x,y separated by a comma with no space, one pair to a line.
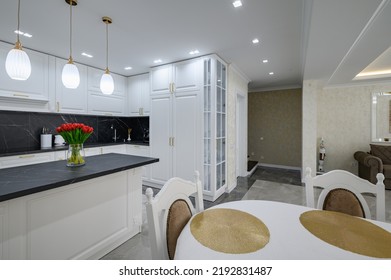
187,123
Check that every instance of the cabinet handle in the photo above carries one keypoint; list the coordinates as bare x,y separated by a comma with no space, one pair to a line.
169,141
21,95
142,111
58,107
173,87
27,156
172,141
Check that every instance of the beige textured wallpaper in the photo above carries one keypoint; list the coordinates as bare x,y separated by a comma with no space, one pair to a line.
275,127
344,121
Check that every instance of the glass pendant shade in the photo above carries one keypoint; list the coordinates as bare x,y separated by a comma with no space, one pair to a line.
107,83
18,64
70,75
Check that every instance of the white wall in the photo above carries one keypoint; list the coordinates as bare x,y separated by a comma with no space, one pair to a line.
342,116
237,83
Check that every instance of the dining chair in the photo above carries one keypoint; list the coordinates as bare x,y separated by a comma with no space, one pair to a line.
169,211
343,192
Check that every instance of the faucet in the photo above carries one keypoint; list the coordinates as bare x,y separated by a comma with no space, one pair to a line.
115,133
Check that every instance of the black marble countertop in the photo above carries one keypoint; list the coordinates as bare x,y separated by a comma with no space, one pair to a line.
21,151
24,180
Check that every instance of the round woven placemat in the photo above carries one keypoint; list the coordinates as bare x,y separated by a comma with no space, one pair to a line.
229,231
348,232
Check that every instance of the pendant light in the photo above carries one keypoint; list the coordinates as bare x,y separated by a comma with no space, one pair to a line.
107,82
70,74
17,63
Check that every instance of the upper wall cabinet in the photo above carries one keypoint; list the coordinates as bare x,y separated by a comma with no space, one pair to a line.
101,104
71,100
179,77
34,90
138,95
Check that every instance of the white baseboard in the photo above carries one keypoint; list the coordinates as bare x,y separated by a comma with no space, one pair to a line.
249,173
279,166
229,189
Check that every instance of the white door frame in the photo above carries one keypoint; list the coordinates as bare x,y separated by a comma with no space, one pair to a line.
241,134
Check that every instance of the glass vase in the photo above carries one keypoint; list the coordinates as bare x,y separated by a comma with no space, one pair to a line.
75,155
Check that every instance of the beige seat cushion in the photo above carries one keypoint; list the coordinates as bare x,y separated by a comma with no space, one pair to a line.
178,216
344,201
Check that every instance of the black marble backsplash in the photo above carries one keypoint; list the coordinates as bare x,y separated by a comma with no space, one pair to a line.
20,131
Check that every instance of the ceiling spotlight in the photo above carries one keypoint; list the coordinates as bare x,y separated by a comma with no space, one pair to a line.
157,61
87,55
265,61
194,52
271,73
237,3
255,41
128,68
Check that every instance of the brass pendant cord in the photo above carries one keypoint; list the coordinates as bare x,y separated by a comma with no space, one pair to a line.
107,46
70,30
17,33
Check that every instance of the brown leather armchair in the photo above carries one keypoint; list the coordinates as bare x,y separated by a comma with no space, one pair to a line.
377,161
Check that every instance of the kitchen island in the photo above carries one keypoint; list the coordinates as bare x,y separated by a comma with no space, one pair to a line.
51,211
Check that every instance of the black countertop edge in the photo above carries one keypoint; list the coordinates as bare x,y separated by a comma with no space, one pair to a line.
65,147
20,181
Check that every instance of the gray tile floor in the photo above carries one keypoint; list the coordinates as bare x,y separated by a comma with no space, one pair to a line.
265,183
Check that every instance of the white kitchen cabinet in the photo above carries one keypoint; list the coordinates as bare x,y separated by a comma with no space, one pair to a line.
142,151
118,149
175,120
179,77
60,155
101,104
214,131
72,101
20,160
93,151
4,230
138,95
33,93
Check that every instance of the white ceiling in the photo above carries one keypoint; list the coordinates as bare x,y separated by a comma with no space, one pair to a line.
330,40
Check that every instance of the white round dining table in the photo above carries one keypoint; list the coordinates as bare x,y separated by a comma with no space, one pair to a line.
289,239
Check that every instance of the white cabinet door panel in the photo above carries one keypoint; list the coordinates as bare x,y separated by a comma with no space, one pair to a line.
71,100
160,128
186,126
187,76
161,77
36,87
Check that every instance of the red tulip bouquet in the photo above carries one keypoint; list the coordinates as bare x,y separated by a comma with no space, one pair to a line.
75,134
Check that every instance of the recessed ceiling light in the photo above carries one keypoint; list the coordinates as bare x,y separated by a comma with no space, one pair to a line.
255,41
265,61
271,73
374,73
237,3
128,68
157,61
194,52
87,55
23,33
